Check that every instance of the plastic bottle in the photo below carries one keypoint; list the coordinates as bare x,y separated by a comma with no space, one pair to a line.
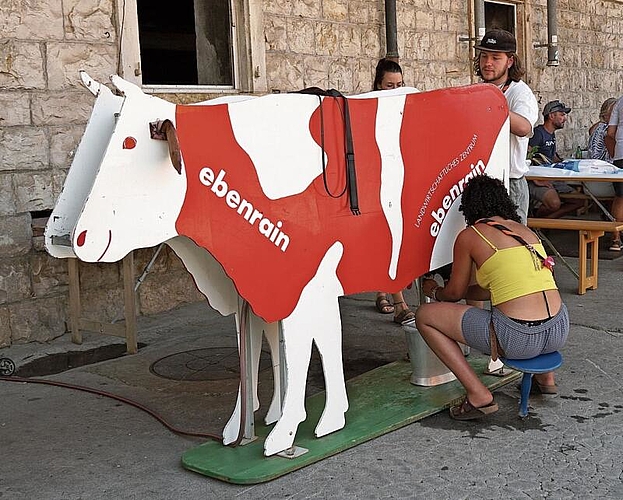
578,152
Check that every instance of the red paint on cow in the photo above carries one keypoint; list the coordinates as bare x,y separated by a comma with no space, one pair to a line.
129,143
272,280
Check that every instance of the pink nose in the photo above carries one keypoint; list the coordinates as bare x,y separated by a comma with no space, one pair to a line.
81,238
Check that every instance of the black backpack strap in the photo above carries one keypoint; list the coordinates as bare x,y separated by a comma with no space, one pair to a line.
351,174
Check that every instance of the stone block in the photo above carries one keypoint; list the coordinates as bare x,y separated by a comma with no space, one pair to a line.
316,72
156,295
284,72
307,9
63,144
25,20
23,148
301,36
335,10
49,275
15,235
275,33
370,42
65,60
99,275
38,320
349,40
33,191
5,328
279,7
89,20
52,109
21,65
14,280
326,39
14,109
341,74
7,194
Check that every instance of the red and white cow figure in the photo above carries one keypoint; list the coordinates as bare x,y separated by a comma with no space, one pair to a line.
260,208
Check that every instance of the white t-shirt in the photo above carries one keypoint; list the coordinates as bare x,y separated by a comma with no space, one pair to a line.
521,100
616,118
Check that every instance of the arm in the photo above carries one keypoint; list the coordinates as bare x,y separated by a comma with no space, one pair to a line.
520,126
612,132
457,288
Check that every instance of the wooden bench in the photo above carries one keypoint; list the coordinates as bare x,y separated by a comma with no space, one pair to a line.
590,232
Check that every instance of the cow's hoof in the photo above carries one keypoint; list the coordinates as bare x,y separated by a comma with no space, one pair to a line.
327,426
272,446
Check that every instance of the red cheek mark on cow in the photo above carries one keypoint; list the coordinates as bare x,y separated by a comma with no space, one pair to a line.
81,238
129,143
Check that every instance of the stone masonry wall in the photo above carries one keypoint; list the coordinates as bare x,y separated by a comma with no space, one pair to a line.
324,43
43,112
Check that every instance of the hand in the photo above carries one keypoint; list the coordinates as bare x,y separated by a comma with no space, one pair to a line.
428,285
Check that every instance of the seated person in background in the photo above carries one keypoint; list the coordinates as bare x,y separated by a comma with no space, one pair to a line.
544,195
528,317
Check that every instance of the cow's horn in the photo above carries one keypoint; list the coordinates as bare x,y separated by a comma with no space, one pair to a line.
165,130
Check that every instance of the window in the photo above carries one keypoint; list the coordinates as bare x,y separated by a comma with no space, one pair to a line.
189,42
500,15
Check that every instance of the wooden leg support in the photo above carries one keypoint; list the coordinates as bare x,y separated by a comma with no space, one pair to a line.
586,280
77,323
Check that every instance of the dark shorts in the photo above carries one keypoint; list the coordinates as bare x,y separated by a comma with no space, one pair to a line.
518,341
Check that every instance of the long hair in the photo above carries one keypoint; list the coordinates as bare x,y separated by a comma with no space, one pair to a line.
606,108
515,72
382,67
484,197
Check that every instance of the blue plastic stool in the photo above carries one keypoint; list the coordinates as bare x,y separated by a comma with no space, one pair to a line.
540,364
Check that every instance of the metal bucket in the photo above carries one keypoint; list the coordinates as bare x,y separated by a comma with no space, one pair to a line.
428,370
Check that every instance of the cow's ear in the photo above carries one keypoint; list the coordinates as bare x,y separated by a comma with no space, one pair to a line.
89,83
124,86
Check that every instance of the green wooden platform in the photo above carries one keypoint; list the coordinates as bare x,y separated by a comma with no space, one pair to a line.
381,401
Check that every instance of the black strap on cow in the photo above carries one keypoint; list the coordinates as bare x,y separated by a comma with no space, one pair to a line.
351,175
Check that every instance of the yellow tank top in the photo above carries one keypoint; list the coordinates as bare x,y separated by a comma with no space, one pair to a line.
511,272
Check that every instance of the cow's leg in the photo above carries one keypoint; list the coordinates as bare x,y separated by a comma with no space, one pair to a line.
232,428
317,311
271,332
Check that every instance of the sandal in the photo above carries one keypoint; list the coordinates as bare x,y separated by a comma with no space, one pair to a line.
467,411
616,246
383,305
404,316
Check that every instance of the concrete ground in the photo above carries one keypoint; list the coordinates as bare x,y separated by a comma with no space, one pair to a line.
58,443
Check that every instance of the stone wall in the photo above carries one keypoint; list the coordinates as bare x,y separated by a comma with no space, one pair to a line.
325,43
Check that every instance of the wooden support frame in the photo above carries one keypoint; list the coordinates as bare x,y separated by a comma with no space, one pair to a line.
590,231
77,323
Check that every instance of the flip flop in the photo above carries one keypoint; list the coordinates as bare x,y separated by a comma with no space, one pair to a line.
467,411
383,305
537,388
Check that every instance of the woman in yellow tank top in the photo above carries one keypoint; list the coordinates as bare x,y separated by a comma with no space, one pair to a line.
527,317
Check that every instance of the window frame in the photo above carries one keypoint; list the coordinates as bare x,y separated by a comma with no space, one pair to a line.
248,52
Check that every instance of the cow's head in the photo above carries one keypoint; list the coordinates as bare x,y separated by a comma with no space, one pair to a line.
137,193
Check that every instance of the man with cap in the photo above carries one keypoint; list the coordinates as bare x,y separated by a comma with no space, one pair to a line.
497,63
544,138
544,195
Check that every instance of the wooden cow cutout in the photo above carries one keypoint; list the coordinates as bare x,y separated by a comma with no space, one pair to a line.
262,208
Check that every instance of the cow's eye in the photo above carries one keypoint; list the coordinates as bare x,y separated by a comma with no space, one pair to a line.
129,143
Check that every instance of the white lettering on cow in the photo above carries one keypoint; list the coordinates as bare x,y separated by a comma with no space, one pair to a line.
233,199
445,171
455,191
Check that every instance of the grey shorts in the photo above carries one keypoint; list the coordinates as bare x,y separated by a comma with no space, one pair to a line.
537,192
518,341
518,191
